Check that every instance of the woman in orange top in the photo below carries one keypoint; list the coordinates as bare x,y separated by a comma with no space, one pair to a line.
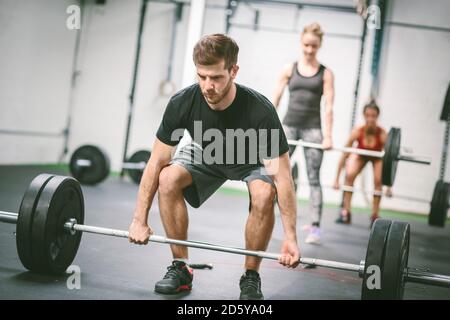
369,137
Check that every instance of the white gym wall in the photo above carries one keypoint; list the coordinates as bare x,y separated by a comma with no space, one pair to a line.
414,76
35,62
107,60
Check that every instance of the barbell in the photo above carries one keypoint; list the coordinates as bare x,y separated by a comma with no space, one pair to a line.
90,164
391,154
50,225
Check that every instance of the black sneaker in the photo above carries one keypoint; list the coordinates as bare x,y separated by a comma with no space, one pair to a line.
178,278
250,285
344,217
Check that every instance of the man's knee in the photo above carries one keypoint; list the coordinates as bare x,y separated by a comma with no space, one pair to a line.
262,196
169,181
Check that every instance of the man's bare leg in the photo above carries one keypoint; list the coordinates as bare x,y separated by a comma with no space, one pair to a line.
260,221
172,207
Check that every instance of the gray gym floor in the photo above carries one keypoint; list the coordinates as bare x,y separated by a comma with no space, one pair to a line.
111,268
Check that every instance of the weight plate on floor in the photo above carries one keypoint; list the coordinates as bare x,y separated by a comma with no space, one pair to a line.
99,165
439,204
30,199
395,261
137,157
375,257
53,247
391,154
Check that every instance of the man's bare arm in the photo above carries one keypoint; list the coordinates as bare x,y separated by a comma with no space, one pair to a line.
139,230
280,170
160,157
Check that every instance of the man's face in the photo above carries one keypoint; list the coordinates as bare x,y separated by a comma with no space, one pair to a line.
215,81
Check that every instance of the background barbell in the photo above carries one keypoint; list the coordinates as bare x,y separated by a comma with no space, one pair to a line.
90,164
391,154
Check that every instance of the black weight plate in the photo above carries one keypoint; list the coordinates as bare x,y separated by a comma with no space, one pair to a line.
395,261
54,248
439,204
391,154
97,171
137,157
295,176
375,256
25,219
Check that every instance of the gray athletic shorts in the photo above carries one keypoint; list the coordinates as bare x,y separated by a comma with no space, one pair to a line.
207,178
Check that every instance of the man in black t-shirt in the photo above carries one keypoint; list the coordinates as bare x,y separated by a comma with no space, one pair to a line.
236,135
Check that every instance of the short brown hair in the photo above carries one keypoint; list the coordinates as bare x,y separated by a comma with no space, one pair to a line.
212,48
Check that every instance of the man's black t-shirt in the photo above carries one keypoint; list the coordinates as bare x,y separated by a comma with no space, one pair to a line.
246,132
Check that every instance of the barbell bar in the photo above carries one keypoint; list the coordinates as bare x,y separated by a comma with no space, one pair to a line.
419,159
390,156
8,217
50,225
362,152
72,227
125,165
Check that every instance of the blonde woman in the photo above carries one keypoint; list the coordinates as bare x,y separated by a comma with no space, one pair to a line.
308,81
